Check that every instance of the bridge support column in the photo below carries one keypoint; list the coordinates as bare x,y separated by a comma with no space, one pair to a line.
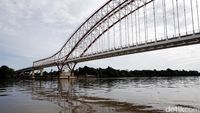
41,71
70,71
33,74
71,68
60,69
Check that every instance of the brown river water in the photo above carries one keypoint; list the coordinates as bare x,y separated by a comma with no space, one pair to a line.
113,95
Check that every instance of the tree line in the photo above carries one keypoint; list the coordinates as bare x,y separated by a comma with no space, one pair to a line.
111,72
6,72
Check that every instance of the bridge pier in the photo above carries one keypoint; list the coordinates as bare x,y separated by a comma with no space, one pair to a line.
66,75
71,68
33,74
41,71
70,71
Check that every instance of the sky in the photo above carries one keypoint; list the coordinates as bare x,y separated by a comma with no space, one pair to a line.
35,29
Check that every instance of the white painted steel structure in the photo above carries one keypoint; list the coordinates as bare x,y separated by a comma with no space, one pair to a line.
123,27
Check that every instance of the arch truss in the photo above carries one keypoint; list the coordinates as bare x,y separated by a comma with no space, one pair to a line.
122,27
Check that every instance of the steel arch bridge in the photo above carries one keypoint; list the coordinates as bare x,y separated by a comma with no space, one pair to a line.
123,27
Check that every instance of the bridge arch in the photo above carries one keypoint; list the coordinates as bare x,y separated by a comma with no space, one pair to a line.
130,26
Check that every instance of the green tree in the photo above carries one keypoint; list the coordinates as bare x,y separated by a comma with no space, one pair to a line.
6,72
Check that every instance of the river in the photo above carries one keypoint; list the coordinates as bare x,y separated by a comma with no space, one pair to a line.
121,95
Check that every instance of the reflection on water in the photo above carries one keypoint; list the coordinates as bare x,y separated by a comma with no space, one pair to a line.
123,95
71,97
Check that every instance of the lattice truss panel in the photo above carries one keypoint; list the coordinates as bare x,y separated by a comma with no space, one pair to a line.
128,23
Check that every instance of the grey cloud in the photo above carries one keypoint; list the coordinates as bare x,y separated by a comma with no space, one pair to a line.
34,29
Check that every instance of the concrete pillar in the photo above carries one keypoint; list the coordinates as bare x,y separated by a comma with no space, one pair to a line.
67,75
70,73
41,71
33,74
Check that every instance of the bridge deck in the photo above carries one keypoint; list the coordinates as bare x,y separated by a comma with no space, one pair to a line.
149,46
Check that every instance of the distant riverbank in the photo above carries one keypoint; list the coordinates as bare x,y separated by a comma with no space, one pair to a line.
111,72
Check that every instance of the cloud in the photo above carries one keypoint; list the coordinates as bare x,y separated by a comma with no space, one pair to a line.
33,29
